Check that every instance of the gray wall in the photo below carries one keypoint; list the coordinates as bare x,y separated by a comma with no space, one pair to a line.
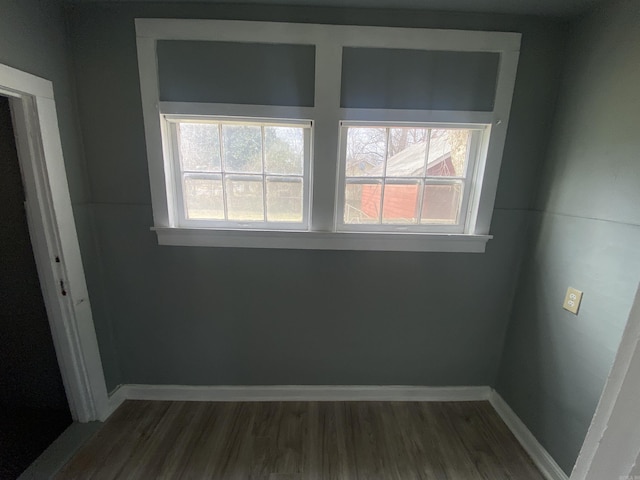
242,316
33,38
585,233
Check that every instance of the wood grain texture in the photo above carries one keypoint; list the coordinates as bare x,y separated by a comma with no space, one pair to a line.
302,441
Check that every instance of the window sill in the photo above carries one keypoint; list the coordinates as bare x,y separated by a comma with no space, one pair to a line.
391,242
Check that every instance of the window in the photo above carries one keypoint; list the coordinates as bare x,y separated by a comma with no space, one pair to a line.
290,135
240,173
407,178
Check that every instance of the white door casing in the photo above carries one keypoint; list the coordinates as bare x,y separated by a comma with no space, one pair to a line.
55,242
612,445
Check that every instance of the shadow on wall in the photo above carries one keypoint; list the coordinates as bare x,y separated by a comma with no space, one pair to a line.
555,364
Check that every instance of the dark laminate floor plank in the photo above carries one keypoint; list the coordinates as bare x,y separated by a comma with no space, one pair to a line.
210,438
313,440
332,451
136,455
192,426
454,454
103,456
134,445
86,460
149,459
303,441
479,451
360,434
423,455
280,438
234,459
504,444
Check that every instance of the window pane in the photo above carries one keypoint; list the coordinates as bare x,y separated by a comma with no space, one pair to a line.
448,153
242,146
284,150
284,200
366,149
362,203
244,199
203,198
400,203
441,204
407,152
199,147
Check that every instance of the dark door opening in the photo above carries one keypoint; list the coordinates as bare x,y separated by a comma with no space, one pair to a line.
33,405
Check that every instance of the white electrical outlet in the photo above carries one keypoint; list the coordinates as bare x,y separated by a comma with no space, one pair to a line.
572,300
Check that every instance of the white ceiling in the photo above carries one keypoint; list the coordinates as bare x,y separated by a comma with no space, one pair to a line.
562,8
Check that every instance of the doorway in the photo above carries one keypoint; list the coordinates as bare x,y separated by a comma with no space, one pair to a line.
33,405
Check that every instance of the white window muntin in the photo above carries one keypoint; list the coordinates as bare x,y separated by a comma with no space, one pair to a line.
176,173
469,183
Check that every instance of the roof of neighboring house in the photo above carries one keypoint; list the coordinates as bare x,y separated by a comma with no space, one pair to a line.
410,161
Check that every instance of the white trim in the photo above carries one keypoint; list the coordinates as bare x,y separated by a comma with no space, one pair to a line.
263,178
613,440
302,393
459,119
541,458
326,113
310,33
393,242
116,398
58,453
467,181
382,116
489,170
158,150
55,242
184,109
328,73
16,83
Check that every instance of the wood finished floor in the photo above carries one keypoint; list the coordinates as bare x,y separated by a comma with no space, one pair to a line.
302,440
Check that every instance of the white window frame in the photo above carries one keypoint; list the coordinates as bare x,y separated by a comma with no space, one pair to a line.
326,114
175,174
468,180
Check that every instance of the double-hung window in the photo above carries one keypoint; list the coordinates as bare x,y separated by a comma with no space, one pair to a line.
407,178
285,135
240,173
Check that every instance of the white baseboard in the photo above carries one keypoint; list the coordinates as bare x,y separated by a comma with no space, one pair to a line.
541,458
116,397
60,451
301,393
